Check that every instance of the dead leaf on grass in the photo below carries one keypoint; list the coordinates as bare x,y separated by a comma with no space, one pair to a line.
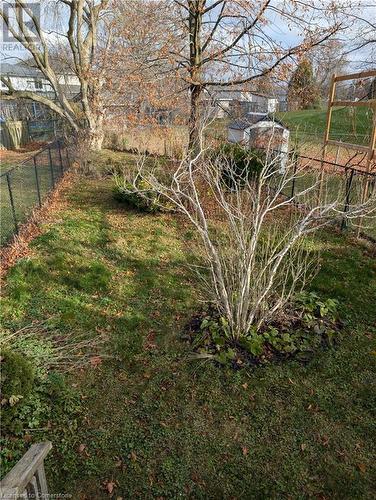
81,448
95,361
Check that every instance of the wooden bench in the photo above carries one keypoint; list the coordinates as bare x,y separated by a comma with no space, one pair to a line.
27,479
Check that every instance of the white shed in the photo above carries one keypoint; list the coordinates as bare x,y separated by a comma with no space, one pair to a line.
272,135
238,131
261,131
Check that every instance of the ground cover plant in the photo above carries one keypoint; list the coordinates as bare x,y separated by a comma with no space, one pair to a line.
307,325
150,421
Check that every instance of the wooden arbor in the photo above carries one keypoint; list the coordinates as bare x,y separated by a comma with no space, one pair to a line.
332,102
369,149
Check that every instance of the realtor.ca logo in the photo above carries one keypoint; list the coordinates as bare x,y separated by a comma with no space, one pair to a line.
20,19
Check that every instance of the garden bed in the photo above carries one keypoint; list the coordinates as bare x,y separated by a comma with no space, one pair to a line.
150,421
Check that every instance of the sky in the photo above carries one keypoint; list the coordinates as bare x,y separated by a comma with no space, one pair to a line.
278,29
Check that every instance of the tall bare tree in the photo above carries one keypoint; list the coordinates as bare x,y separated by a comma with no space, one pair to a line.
81,34
232,42
140,76
361,43
328,58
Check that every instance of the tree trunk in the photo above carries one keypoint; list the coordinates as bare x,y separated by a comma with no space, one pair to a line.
194,145
95,139
196,9
93,135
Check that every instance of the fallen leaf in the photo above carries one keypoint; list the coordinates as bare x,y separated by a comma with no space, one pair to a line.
150,336
110,485
81,448
95,361
245,450
245,385
362,468
325,440
303,446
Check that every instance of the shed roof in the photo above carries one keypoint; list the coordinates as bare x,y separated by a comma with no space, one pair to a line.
251,119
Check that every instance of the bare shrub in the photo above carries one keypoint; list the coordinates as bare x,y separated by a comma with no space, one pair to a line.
50,349
255,240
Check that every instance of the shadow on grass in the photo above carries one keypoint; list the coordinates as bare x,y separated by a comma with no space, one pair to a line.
162,426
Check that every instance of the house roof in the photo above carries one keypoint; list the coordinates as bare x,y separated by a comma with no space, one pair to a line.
234,92
247,120
28,70
19,69
24,70
251,119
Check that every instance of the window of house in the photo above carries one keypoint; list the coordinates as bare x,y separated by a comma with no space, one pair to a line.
38,84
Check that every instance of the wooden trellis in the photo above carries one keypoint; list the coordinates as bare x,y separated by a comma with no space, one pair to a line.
370,149
332,102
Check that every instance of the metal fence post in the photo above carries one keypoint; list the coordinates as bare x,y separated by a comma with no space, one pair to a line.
37,180
295,160
67,155
61,159
51,168
28,130
12,202
347,198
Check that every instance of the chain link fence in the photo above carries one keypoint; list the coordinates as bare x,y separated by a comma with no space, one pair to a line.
339,182
27,185
44,130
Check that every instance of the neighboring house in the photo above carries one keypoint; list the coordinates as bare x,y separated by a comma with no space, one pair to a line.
25,77
234,102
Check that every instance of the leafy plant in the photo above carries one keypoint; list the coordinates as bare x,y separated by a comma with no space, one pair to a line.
312,308
140,196
309,323
253,343
245,163
17,380
226,356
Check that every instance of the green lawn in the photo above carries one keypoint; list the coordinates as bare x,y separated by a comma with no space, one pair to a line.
160,425
352,125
